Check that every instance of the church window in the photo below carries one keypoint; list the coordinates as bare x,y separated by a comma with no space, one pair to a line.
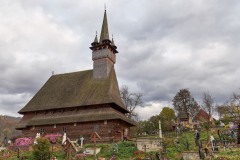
42,130
64,129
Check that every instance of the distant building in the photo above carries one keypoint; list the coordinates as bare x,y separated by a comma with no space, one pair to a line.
202,117
80,103
184,119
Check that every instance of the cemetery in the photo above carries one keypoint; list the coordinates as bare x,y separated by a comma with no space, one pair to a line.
217,142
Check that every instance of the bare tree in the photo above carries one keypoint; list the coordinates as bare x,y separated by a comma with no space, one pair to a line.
131,101
235,106
209,107
208,103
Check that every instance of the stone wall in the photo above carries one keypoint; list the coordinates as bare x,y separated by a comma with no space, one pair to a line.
152,144
190,156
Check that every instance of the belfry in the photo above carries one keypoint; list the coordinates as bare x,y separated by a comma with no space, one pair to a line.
103,52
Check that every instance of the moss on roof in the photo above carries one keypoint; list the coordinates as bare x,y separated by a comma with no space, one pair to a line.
79,116
75,89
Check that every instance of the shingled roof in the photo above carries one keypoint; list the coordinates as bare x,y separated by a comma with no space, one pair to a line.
201,115
76,116
75,89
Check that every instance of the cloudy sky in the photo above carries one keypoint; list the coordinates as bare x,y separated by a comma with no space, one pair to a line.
163,46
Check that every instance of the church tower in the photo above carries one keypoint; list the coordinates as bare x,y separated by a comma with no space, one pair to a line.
103,52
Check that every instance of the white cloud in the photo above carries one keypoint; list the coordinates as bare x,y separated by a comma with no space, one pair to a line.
150,109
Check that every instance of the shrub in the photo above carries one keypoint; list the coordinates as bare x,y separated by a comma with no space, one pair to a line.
126,150
53,138
41,149
23,141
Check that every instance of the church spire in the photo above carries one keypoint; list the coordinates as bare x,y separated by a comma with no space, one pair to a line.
104,32
95,42
113,44
103,52
96,39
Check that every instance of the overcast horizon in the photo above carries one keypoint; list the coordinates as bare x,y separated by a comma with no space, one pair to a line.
163,46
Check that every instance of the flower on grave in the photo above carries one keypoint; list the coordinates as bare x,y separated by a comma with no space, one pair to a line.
53,138
23,141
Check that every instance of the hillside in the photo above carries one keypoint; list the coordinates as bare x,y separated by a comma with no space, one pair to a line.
7,126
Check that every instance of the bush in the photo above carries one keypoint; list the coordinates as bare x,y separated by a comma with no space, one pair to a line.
126,150
23,141
54,138
41,149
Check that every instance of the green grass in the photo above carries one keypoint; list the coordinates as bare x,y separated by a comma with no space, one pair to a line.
125,150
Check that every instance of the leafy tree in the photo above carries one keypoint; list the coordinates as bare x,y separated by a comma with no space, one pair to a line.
143,127
230,110
166,116
146,126
41,149
154,123
183,101
131,101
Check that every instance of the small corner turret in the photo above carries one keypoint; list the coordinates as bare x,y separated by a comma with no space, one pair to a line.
103,52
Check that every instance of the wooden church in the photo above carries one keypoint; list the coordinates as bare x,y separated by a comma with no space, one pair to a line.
80,103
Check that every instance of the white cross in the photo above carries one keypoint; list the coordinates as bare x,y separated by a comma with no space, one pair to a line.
81,141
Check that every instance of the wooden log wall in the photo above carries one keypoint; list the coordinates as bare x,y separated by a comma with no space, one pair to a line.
108,130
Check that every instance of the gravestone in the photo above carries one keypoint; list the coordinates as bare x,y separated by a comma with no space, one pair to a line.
197,137
152,143
81,143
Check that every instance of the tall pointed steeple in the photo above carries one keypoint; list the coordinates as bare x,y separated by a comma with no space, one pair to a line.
103,52
104,32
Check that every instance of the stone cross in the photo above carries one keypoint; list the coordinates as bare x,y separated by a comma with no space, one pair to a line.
160,129
81,141
64,138
145,147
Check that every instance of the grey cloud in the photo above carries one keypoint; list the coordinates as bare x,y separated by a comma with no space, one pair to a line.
163,45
